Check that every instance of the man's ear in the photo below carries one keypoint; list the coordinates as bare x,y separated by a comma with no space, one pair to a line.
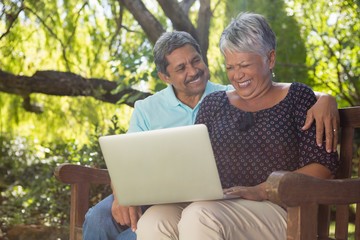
164,77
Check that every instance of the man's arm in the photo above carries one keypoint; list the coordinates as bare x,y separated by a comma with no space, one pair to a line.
326,116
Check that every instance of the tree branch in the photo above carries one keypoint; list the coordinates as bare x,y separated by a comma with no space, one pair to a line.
68,84
179,20
151,26
186,5
11,18
49,29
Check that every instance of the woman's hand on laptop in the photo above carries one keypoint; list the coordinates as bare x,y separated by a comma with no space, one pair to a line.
125,215
255,193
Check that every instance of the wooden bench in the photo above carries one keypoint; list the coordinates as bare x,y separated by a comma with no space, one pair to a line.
308,200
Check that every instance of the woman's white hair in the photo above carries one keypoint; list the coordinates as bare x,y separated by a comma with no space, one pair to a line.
248,32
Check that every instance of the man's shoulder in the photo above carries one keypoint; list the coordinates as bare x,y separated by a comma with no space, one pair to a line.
156,97
213,87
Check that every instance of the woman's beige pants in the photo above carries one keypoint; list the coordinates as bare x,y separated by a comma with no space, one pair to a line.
235,219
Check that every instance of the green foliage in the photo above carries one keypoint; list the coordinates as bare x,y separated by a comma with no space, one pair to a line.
332,43
30,194
64,118
215,59
84,37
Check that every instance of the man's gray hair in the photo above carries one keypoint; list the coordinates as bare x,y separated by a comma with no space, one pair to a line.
248,32
167,43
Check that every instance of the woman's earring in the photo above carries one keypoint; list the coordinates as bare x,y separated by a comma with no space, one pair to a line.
272,73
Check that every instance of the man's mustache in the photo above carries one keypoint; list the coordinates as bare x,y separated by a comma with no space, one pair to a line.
199,74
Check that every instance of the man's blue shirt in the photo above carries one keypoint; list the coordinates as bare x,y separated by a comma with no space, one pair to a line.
164,110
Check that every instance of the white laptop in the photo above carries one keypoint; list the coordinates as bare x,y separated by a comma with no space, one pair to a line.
162,166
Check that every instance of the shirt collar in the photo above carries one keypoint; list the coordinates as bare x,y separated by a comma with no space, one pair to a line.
170,95
174,101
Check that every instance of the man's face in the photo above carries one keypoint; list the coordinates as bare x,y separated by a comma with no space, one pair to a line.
187,72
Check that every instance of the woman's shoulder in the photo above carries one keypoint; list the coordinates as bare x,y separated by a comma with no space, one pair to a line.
216,95
292,85
299,85
296,88
217,98
300,89
300,93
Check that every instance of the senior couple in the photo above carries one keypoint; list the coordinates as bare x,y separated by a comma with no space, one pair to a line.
271,124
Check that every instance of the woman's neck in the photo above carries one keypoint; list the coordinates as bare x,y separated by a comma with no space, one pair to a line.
268,98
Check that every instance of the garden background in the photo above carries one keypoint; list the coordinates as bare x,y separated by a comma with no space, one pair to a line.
71,70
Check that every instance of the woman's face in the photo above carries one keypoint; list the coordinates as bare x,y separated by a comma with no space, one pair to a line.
249,73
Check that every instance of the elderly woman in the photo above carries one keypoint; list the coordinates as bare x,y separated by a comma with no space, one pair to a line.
255,129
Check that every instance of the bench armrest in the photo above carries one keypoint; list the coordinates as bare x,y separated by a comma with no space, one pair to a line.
72,174
295,189
307,200
80,178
